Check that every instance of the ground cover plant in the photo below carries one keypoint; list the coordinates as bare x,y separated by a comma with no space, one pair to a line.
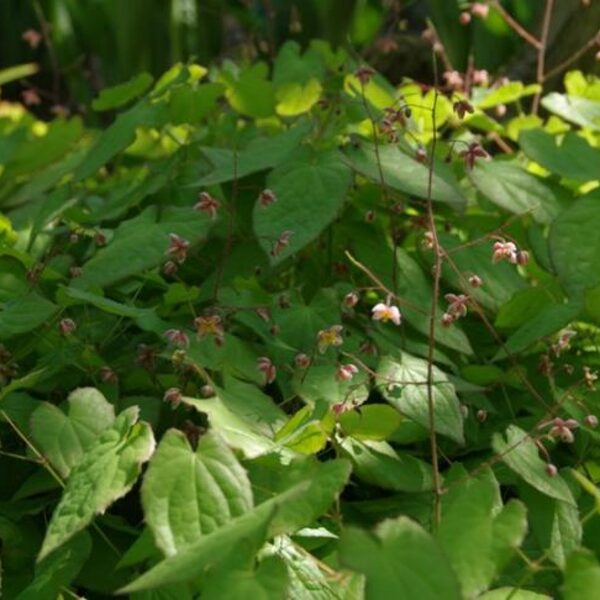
291,331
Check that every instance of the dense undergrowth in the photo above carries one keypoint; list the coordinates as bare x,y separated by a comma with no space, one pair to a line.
302,334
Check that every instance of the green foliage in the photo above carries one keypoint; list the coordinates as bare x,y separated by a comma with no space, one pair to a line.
236,282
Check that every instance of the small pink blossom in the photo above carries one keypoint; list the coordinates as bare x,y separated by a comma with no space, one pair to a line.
208,205
454,80
481,77
282,242
562,429
522,257
346,372
302,361
170,268
30,97
475,281
421,155
210,325
178,248
465,18
266,198
479,9
386,312
472,153
351,299
428,240
341,407
457,305
447,319
504,250
32,37
107,375
461,107
364,74
551,470
265,365
177,338
591,421
173,396
67,326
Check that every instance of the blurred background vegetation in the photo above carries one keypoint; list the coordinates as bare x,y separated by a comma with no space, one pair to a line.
86,45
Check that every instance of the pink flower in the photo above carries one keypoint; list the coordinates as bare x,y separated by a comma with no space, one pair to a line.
173,397
178,248
346,372
32,37
504,250
351,299
30,97
563,429
302,361
551,470
465,18
479,9
454,79
265,365
208,205
591,421
364,74
473,151
481,77
170,268
457,305
447,319
67,326
522,257
386,312
282,242
266,198
177,338
475,281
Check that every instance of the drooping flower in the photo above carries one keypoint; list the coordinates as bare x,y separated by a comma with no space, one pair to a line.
346,372
479,9
173,396
302,361
504,251
386,312
447,319
178,248
457,305
563,429
177,338
269,370
461,107
267,197
591,421
472,153
283,241
332,336
351,299
207,204
364,74
475,281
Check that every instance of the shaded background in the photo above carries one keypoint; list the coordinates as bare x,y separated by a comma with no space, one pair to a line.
98,43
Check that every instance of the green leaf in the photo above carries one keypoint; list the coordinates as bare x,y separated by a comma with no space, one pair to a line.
251,93
514,189
403,384
522,307
141,243
475,536
284,513
25,314
569,155
269,581
64,438
581,111
582,576
548,321
261,153
118,95
310,192
372,422
377,463
404,173
509,593
187,494
505,94
520,454
18,72
106,472
400,560
120,135
294,99
239,433
58,569
189,105
555,524
575,245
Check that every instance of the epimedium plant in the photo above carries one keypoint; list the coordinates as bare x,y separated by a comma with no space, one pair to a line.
302,333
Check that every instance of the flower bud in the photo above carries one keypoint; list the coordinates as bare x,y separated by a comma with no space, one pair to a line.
302,361
369,216
551,470
170,268
482,415
351,299
207,391
522,257
465,18
173,397
67,326
475,281
591,421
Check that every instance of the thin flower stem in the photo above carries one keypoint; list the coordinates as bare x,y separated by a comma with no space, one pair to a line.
541,61
515,25
437,484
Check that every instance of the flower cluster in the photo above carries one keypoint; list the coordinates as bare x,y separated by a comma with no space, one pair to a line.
504,250
457,308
